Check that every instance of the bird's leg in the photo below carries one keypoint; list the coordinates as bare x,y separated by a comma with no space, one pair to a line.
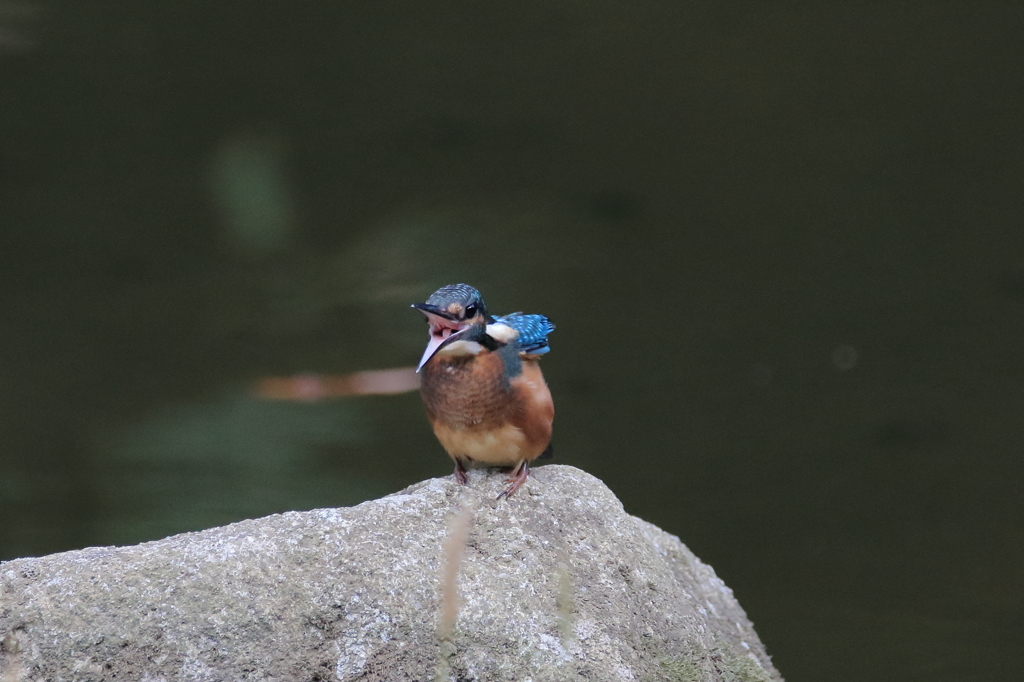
517,479
460,471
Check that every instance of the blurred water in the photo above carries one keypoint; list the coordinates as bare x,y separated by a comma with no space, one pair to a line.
782,247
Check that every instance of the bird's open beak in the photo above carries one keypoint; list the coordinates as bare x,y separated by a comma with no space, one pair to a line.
443,326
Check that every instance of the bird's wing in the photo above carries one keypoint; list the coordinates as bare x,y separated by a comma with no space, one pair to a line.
533,331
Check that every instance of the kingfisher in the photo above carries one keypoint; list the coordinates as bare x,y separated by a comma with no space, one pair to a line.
482,386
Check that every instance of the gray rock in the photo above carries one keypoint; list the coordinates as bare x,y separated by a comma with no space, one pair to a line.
557,583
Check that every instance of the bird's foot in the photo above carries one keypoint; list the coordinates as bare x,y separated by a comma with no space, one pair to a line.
460,472
517,479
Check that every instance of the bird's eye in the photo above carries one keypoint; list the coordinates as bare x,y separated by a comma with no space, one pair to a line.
471,311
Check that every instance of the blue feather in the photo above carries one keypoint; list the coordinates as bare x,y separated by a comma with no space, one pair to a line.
533,331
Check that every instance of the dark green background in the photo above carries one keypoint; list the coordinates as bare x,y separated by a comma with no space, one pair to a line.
781,242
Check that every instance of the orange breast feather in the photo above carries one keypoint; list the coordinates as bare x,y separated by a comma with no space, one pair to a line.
478,414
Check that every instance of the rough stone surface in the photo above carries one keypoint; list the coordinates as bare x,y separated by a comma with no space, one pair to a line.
558,583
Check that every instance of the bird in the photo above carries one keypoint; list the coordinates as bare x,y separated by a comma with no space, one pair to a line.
482,386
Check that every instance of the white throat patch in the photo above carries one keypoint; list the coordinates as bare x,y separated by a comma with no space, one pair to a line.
461,348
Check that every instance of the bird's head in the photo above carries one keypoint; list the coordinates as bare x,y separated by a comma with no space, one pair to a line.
450,312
